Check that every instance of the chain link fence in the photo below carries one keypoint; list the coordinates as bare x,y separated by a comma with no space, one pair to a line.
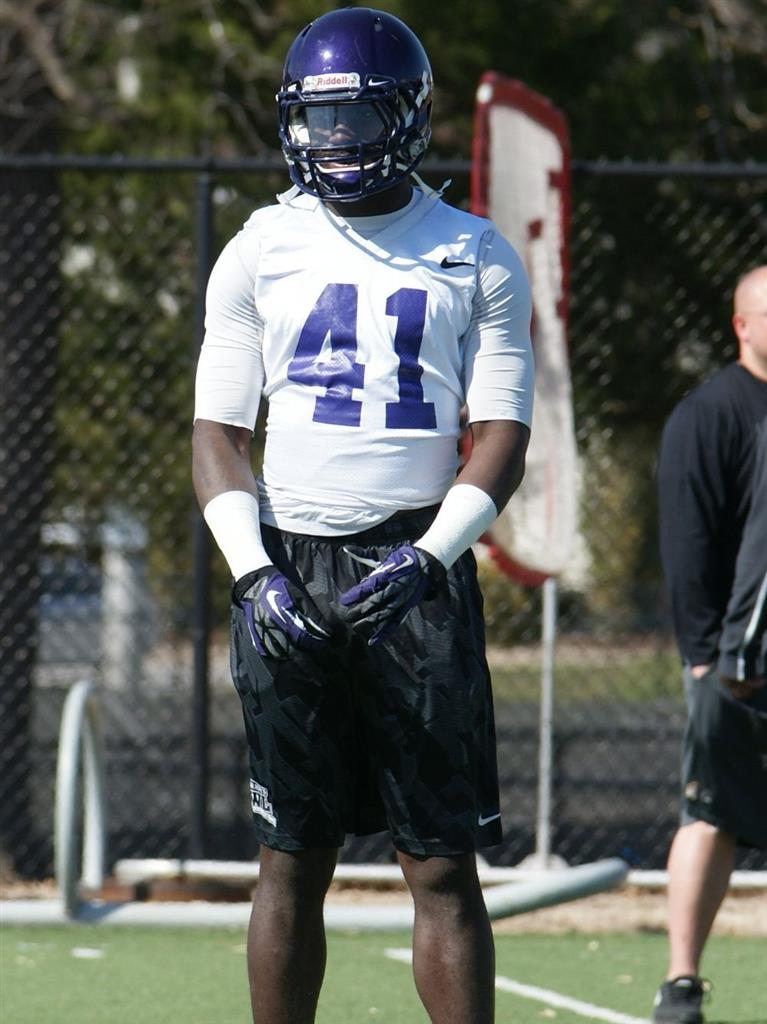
107,571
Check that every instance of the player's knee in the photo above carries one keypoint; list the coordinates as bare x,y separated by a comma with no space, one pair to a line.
301,874
441,877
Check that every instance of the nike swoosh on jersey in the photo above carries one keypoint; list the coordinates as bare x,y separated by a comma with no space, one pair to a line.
447,264
486,821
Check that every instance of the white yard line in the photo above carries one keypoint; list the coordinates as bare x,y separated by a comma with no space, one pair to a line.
543,995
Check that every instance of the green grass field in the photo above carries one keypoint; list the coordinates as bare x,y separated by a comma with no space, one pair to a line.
638,678
102,975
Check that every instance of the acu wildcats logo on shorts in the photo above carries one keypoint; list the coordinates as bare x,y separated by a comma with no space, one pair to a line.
260,802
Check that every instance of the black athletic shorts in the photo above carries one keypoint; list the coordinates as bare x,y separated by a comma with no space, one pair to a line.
724,770
360,739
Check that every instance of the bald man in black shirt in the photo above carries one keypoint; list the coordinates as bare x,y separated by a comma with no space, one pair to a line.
706,479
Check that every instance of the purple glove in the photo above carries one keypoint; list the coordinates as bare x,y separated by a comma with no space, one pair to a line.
384,598
276,626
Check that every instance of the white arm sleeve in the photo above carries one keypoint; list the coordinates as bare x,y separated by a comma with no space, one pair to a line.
230,371
233,520
465,514
498,354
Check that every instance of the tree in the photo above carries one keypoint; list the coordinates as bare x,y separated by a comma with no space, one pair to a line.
662,81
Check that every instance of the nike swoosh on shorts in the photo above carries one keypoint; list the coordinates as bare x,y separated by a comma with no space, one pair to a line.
486,821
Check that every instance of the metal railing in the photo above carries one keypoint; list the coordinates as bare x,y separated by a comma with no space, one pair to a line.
80,735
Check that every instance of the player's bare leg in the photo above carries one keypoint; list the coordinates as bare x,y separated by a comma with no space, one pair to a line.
286,938
699,867
453,950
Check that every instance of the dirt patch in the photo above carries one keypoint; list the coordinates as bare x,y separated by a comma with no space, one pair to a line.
12,889
632,909
628,909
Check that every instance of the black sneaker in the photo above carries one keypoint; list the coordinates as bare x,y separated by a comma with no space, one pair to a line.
679,1001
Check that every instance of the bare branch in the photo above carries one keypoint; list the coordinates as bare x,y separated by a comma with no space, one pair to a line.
753,122
745,23
40,44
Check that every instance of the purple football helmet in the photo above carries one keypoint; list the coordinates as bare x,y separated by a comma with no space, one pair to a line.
355,104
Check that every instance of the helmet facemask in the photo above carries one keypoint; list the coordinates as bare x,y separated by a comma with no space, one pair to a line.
344,146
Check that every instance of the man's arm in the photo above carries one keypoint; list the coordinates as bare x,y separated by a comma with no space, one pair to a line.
491,474
220,460
692,489
228,387
226,490
500,381
496,463
744,633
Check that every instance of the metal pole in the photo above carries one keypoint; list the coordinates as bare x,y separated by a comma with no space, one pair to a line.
545,748
201,556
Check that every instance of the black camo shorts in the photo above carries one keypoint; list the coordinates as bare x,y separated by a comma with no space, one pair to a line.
361,739
724,768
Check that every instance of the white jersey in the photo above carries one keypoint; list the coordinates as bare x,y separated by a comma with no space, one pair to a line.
366,337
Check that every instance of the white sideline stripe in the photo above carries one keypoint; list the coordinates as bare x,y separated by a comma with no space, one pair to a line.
542,995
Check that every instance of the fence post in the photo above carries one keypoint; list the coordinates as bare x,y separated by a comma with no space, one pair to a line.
201,554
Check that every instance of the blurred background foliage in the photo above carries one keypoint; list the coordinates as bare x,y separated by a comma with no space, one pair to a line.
670,81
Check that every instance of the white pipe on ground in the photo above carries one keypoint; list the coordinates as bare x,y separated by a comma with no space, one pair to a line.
502,901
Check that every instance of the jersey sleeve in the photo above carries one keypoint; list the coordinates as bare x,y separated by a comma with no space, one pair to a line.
692,487
230,370
499,372
743,647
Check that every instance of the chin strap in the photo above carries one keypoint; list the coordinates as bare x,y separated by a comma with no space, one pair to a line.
428,191
292,193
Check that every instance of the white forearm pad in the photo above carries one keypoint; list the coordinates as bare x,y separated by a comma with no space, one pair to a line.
233,521
466,513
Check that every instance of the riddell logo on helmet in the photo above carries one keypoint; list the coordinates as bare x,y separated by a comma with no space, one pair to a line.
331,80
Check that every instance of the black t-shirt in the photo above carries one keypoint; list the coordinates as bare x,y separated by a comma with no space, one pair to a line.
705,475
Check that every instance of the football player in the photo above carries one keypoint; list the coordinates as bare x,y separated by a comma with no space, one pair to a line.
366,313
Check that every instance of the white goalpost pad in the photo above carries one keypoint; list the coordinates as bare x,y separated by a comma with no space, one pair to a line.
521,180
